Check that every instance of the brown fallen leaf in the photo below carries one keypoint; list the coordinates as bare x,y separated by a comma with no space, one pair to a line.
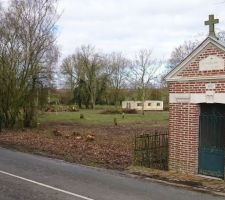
90,138
57,133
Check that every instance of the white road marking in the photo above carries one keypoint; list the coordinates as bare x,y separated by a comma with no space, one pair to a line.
47,186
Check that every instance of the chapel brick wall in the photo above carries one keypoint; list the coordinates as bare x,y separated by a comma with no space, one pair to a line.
195,87
192,68
183,137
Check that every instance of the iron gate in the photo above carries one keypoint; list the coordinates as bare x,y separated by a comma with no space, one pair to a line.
212,140
151,150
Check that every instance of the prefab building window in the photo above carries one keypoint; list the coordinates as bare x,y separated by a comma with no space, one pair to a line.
128,105
139,104
149,104
158,104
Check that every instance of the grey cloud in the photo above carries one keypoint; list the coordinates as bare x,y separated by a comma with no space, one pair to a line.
128,25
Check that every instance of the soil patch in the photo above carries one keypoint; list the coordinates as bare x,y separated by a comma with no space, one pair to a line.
97,145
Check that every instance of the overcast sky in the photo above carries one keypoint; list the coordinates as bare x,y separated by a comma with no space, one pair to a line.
129,25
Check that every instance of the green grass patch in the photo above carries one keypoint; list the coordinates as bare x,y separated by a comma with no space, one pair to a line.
95,117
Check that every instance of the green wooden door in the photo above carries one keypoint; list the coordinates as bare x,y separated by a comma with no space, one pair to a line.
212,140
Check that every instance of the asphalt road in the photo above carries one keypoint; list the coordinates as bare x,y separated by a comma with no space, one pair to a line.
29,177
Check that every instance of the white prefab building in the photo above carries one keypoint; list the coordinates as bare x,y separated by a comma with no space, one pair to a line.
148,105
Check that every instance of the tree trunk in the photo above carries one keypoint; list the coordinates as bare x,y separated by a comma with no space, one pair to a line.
143,100
1,122
93,101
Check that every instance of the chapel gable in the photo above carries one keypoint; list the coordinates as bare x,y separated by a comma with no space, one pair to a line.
210,61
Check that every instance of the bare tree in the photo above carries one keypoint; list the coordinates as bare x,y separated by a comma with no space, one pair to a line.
144,70
181,52
221,36
119,66
27,54
91,64
71,70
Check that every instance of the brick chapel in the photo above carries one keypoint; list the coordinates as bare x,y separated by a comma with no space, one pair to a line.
197,109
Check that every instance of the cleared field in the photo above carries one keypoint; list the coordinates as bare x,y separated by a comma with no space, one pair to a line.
95,117
65,136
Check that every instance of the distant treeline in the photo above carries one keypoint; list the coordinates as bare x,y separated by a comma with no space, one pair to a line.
97,78
64,96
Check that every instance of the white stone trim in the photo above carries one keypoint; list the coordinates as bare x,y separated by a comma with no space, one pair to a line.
212,62
210,86
197,78
208,97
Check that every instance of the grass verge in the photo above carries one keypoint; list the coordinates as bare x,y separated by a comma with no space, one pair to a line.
95,117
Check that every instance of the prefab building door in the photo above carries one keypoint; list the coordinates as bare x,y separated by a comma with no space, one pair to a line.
211,140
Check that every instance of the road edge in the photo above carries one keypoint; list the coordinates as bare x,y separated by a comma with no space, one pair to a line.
125,173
